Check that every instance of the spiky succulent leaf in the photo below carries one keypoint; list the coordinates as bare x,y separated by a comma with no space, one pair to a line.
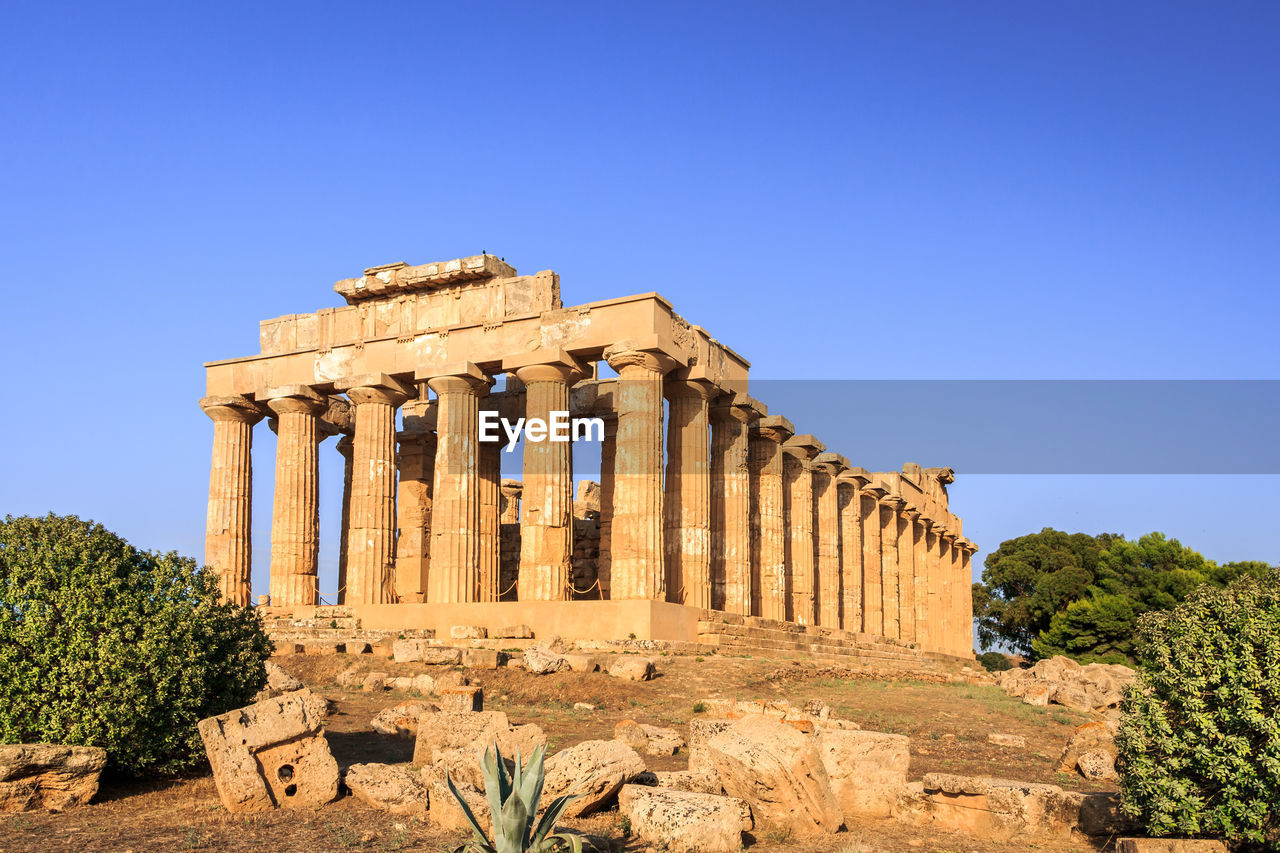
511,828
497,784
481,840
534,776
550,817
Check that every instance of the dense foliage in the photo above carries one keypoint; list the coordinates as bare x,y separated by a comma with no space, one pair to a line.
1199,742
105,645
995,661
1054,593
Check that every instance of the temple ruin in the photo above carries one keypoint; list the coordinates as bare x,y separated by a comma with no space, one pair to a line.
709,511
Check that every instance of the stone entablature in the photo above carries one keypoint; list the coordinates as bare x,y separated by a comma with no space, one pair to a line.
710,502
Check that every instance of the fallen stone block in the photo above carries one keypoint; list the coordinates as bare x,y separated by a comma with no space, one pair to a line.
279,681
540,661
1169,845
407,651
1012,741
582,663
446,730
388,787
1000,809
469,632
594,770
633,668
270,754
423,684
462,699
1100,814
480,658
701,731
779,773
684,822
651,740
513,632
867,769
47,776
402,720
374,682
445,810
402,683
350,677
441,655
1091,751
686,780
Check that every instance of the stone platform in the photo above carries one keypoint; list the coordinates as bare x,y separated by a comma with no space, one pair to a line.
601,625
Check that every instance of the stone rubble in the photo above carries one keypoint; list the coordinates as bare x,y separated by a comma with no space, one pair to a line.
1094,687
48,777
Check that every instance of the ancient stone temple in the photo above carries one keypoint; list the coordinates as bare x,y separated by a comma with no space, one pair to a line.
709,510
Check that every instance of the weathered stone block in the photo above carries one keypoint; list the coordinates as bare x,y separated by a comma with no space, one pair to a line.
779,773
595,770
441,655
540,661
389,788
48,776
1169,845
867,769
402,719
272,753
513,632
582,663
462,699
480,658
684,822
469,632
633,668
456,730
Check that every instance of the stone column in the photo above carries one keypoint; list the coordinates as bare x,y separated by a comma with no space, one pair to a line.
768,514
346,447
907,574
731,503
826,498
509,501
546,525
850,484
946,640
488,545
933,545
872,572
924,623
890,510
228,547
371,547
687,499
964,604
455,505
413,500
608,458
800,451
295,517
636,552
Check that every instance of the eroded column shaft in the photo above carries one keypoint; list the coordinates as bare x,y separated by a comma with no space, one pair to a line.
295,517
228,547
687,506
730,512
455,504
546,519
800,570
827,542
413,510
769,540
850,557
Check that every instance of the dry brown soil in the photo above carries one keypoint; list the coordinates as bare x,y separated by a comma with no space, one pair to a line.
948,725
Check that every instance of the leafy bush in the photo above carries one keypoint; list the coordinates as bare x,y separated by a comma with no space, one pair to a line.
1199,742
994,662
105,645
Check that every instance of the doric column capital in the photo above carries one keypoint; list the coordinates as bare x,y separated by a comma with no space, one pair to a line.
374,388
832,463
911,513
738,407
458,378
627,357
926,524
857,477
893,502
773,428
546,365
511,488
803,447
875,493
296,398
697,388
235,408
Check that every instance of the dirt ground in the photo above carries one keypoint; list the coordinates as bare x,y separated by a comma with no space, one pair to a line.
948,725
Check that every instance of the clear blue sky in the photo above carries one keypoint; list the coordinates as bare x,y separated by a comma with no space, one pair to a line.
893,190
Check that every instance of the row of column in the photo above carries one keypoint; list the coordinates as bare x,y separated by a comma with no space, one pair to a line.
746,517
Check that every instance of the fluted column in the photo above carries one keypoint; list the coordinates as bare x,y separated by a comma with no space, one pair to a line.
608,459
371,546
346,448
924,617
417,459
852,594
798,474
768,516
946,548
731,503
228,546
872,572
890,512
636,562
687,499
455,505
295,517
964,601
509,501
546,524
933,563
488,546
907,574
826,499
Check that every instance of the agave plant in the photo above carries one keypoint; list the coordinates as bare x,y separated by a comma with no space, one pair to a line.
513,804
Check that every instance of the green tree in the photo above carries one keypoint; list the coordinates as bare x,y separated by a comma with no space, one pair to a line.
102,644
1199,739
1028,580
